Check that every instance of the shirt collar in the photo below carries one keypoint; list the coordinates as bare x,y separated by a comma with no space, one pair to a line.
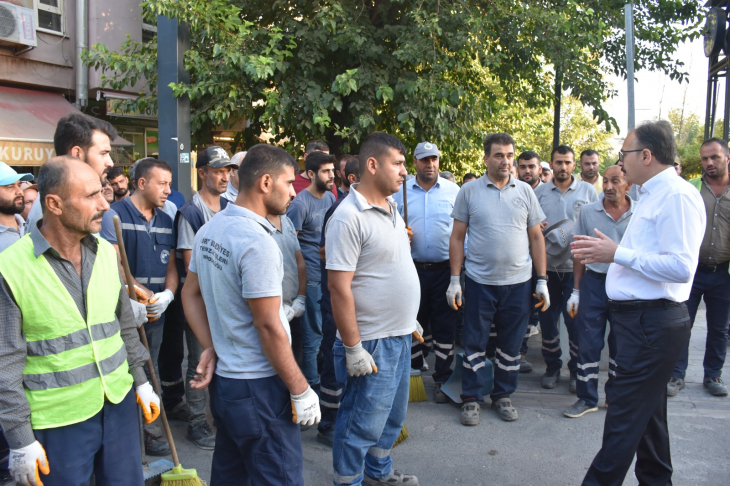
658,180
363,204
570,187
41,244
236,210
232,190
600,207
489,182
414,183
128,201
19,220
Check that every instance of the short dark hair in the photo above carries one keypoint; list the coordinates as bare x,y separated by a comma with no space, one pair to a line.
376,145
316,145
53,177
142,168
78,129
562,150
722,143
115,172
658,137
263,159
352,166
499,139
469,175
587,152
529,155
316,160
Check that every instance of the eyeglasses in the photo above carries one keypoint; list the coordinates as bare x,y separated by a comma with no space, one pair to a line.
622,153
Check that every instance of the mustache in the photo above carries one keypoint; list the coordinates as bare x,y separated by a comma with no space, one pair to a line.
98,215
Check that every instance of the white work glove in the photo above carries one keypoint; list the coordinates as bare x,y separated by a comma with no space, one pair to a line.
140,312
573,302
159,302
305,408
454,292
542,294
359,361
299,305
289,312
418,333
26,462
149,401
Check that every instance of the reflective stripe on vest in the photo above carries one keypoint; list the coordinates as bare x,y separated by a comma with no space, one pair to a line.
71,364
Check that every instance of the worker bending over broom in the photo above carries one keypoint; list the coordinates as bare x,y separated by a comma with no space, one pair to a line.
70,352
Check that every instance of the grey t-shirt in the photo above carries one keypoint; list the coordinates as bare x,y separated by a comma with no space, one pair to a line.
185,233
558,206
373,243
594,216
9,235
497,219
307,214
288,243
236,259
35,213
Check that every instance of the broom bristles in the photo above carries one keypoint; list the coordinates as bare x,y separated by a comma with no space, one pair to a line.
402,437
181,477
417,392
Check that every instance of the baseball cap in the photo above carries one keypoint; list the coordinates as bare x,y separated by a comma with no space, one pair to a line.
545,166
426,149
215,157
9,176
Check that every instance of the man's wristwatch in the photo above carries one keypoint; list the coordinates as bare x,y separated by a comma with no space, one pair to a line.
543,277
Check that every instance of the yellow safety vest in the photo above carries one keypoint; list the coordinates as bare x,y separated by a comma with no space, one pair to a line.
71,364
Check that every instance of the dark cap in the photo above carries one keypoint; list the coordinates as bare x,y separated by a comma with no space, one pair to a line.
215,157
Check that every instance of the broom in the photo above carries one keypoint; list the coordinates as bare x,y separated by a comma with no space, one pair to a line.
402,437
178,476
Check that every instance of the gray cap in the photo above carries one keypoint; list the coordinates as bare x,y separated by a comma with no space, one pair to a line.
426,149
215,157
545,166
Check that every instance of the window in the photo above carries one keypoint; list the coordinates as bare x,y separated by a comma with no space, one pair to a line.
50,16
149,27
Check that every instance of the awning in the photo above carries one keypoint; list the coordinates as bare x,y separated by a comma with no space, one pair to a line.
28,121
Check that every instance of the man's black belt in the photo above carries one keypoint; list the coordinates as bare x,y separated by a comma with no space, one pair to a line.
432,265
596,274
713,268
635,305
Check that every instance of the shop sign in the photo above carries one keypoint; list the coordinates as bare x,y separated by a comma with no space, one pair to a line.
19,152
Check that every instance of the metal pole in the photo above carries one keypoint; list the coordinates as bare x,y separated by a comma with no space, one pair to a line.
558,99
629,12
708,106
82,70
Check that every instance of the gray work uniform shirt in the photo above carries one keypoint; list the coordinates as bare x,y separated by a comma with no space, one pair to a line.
288,243
9,235
558,206
14,408
594,216
497,219
307,212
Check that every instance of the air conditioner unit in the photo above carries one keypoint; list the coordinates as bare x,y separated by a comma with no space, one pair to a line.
17,25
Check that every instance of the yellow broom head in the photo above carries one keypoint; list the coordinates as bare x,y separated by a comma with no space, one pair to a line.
402,437
417,393
181,477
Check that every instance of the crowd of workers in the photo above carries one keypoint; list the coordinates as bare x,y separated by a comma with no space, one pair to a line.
313,294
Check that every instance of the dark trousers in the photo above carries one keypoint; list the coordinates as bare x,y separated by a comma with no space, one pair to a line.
590,325
560,287
713,286
533,321
435,311
257,443
106,445
507,306
330,389
172,353
295,327
648,344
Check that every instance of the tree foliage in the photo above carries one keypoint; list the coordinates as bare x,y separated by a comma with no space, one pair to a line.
421,69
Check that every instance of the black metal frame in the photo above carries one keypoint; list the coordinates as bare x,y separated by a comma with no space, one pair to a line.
717,69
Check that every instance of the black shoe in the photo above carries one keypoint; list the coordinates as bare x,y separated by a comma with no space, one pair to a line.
327,437
155,446
550,379
674,385
201,435
525,366
180,412
578,409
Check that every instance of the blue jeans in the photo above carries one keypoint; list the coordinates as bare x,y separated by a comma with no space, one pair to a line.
372,410
311,333
106,445
330,390
508,308
590,325
713,286
560,288
256,442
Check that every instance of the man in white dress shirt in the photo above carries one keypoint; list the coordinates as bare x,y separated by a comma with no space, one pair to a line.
647,284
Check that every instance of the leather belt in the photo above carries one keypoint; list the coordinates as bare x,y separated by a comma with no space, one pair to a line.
635,305
712,268
432,265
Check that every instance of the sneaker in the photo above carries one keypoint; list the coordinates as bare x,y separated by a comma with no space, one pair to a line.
674,385
155,445
180,412
439,396
715,386
573,381
470,413
425,365
505,410
201,435
395,478
525,366
578,409
550,379
327,437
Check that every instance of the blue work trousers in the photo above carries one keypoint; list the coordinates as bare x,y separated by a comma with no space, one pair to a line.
648,345
590,325
311,333
560,288
714,288
106,445
508,307
372,410
330,388
256,443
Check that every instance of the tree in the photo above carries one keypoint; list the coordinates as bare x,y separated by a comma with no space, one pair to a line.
421,69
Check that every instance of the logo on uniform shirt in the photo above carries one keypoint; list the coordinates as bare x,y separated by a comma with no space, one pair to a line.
165,257
221,153
578,204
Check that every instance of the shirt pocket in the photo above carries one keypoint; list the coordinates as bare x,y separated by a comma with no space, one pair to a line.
163,246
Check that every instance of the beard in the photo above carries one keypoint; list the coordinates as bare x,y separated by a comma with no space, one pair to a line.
12,207
321,185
